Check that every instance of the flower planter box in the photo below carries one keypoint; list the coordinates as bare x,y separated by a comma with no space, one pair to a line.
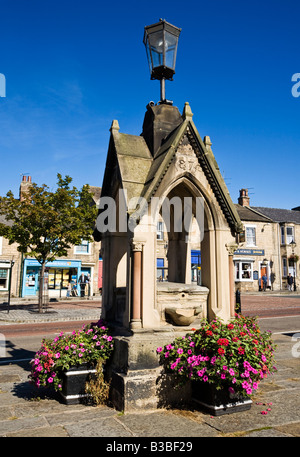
73,385
218,402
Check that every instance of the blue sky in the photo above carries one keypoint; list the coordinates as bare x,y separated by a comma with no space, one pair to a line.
72,66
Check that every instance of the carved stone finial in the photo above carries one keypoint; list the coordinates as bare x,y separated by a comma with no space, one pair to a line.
114,126
207,142
187,112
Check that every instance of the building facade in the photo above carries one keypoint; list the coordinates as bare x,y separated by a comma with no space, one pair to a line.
268,246
19,273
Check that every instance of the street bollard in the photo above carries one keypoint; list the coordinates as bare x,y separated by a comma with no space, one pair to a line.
238,305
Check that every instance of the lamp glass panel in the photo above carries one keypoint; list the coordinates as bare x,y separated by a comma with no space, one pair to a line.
170,46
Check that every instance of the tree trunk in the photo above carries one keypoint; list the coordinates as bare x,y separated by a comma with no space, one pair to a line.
41,287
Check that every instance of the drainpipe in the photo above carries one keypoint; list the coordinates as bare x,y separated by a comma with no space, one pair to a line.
279,256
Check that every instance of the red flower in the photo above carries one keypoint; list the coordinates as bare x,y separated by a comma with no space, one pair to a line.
221,351
230,326
255,341
209,333
241,350
235,338
223,341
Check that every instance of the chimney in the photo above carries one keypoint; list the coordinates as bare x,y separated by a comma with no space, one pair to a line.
244,199
159,122
24,186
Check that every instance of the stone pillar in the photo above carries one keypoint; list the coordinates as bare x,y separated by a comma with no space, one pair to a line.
136,310
231,248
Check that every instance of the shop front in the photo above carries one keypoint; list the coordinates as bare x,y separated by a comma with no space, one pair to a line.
250,268
59,274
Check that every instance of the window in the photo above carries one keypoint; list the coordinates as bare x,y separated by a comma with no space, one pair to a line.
251,236
160,270
160,231
289,235
282,234
4,274
83,248
284,266
243,270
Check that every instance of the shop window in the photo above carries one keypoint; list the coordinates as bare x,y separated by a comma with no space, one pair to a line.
3,278
83,248
251,236
243,271
59,278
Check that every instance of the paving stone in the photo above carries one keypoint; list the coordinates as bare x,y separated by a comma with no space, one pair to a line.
166,424
80,416
109,427
5,412
291,429
268,433
53,432
4,378
14,425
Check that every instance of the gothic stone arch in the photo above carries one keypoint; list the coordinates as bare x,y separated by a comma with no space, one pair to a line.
168,160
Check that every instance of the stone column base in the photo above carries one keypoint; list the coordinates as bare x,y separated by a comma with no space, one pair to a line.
137,381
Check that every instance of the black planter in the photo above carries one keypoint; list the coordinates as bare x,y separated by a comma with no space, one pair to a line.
73,384
218,402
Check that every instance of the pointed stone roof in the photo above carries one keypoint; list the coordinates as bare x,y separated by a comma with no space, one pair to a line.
165,155
138,164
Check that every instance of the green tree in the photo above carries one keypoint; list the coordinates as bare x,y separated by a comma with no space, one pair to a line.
46,224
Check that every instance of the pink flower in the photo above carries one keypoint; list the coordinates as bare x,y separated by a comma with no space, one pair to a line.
205,378
50,379
231,372
167,354
179,351
223,376
57,355
159,349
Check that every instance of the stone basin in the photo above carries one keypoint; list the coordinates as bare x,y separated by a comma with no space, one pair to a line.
181,303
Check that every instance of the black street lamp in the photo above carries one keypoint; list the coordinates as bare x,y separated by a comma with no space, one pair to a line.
161,41
9,284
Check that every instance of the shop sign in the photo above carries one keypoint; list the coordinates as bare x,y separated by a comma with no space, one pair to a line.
250,252
55,263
